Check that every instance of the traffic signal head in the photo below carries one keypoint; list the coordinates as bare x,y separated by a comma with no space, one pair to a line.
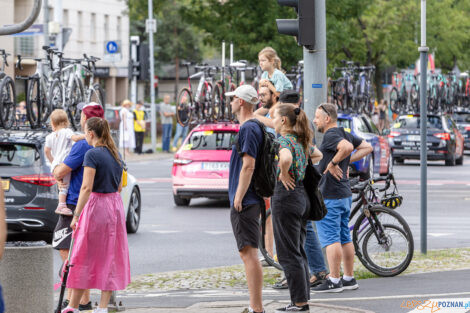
304,26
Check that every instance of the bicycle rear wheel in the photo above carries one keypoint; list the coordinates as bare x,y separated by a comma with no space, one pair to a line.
394,100
218,102
383,241
75,97
97,95
205,102
184,106
7,103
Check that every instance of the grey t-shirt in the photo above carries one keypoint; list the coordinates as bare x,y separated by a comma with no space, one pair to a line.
166,108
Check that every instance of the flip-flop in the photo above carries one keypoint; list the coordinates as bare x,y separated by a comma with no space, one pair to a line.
282,284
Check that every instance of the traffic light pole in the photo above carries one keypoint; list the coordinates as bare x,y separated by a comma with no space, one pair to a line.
315,80
152,82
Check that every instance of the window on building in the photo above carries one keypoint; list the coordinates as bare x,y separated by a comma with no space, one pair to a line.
65,18
25,46
80,25
106,27
93,27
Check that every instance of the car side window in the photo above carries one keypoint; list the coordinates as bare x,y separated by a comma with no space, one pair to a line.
360,125
371,126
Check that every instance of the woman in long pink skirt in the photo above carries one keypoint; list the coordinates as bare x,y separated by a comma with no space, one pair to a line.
100,255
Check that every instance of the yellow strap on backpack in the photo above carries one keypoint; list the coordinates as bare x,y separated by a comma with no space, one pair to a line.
124,175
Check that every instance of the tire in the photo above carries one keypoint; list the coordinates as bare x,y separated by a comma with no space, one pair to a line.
459,161
262,246
179,201
184,107
218,102
205,102
133,213
55,96
450,161
97,95
38,106
74,98
365,240
394,105
7,102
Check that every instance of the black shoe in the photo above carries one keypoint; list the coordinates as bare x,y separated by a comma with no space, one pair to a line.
65,303
350,285
85,307
282,284
294,308
328,286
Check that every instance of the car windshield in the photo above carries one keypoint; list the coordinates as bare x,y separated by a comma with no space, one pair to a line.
462,117
414,122
18,155
345,123
211,140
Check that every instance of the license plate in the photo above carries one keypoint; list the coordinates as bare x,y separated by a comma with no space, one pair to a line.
6,185
215,166
414,138
408,143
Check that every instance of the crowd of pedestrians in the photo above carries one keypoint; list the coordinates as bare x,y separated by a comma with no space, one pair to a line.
298,245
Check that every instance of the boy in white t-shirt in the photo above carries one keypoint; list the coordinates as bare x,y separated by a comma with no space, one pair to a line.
57,148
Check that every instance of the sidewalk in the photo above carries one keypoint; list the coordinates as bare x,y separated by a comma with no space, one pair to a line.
240,306
158,155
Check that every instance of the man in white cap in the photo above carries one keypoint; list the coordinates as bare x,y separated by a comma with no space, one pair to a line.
245,203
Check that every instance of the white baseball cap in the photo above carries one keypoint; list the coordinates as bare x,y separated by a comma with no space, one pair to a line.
245,92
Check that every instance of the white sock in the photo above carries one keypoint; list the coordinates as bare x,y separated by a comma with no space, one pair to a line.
348,278
334,280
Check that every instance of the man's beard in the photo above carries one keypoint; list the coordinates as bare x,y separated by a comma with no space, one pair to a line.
269,103
320,129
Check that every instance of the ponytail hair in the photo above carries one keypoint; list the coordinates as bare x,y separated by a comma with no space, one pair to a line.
101,128
299,122
272,56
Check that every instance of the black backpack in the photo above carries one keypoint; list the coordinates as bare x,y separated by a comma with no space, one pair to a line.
264,176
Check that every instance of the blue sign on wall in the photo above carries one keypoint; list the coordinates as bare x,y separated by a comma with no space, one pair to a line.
112,47
316,85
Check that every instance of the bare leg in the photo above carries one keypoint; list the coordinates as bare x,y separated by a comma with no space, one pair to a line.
269,238
334,254
104,300
348,259
254,276
76,296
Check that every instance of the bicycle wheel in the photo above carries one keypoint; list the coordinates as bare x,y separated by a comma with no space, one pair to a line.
383,241
74,98
228,108
205,102
184,107
414,95
271,260
394,100
7,102
97,95
218,102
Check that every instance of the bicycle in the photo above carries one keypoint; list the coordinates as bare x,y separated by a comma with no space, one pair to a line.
399,95
464,90
93,92
7,95
343,90
373,235
66,89
198,107
364,89
220,102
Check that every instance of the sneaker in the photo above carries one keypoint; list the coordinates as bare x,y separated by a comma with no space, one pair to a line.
63,210
85,307
65,304
349,285
328,286
70,310
294,308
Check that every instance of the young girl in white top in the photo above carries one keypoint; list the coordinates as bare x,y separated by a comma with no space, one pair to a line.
270,63
57,148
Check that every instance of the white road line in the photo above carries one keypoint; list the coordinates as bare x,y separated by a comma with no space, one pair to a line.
165,231
214,232
417,296
440,234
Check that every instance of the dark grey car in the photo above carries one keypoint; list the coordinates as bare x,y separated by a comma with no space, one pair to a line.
31,193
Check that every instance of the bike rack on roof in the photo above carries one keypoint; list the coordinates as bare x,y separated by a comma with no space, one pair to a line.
18,28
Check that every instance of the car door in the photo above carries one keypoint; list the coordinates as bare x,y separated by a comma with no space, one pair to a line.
382,156
363,131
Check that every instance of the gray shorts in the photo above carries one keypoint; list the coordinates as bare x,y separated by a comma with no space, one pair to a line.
245,225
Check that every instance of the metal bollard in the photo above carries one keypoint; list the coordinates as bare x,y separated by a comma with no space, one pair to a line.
27,278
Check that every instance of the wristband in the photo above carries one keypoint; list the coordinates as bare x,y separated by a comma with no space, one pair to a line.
334,163
76,215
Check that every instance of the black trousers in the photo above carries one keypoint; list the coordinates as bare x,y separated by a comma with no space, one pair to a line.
139,141
290,229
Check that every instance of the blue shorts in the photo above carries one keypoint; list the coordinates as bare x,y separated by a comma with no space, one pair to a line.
334,226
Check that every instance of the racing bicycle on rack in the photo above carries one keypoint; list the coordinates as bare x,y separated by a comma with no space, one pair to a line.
7,95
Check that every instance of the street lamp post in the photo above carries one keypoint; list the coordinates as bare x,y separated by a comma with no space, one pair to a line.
151,28
423,50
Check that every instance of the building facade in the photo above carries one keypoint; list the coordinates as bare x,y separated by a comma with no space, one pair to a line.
97,27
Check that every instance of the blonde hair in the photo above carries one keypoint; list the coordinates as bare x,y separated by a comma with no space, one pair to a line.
126,102
272,56
101,128
59,118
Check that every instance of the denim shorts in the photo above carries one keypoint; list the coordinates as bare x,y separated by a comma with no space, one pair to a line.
334,226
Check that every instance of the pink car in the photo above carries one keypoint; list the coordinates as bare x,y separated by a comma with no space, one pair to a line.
201,165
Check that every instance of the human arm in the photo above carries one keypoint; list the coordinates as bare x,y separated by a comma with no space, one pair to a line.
48,152
261,111
343,150
316,156
268,122
3,225
246,173
361,151
76,138
285,161
85,191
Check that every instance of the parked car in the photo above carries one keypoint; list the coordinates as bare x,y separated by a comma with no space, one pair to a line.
377,163
444,140
201,165
31,192
462,119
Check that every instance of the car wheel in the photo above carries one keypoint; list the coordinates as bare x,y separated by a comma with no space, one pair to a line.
459,161
370,170
181,201
451,160
133,214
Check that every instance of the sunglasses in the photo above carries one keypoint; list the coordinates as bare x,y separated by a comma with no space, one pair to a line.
324,110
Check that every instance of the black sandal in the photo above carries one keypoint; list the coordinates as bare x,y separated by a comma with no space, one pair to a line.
282,284
320,278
